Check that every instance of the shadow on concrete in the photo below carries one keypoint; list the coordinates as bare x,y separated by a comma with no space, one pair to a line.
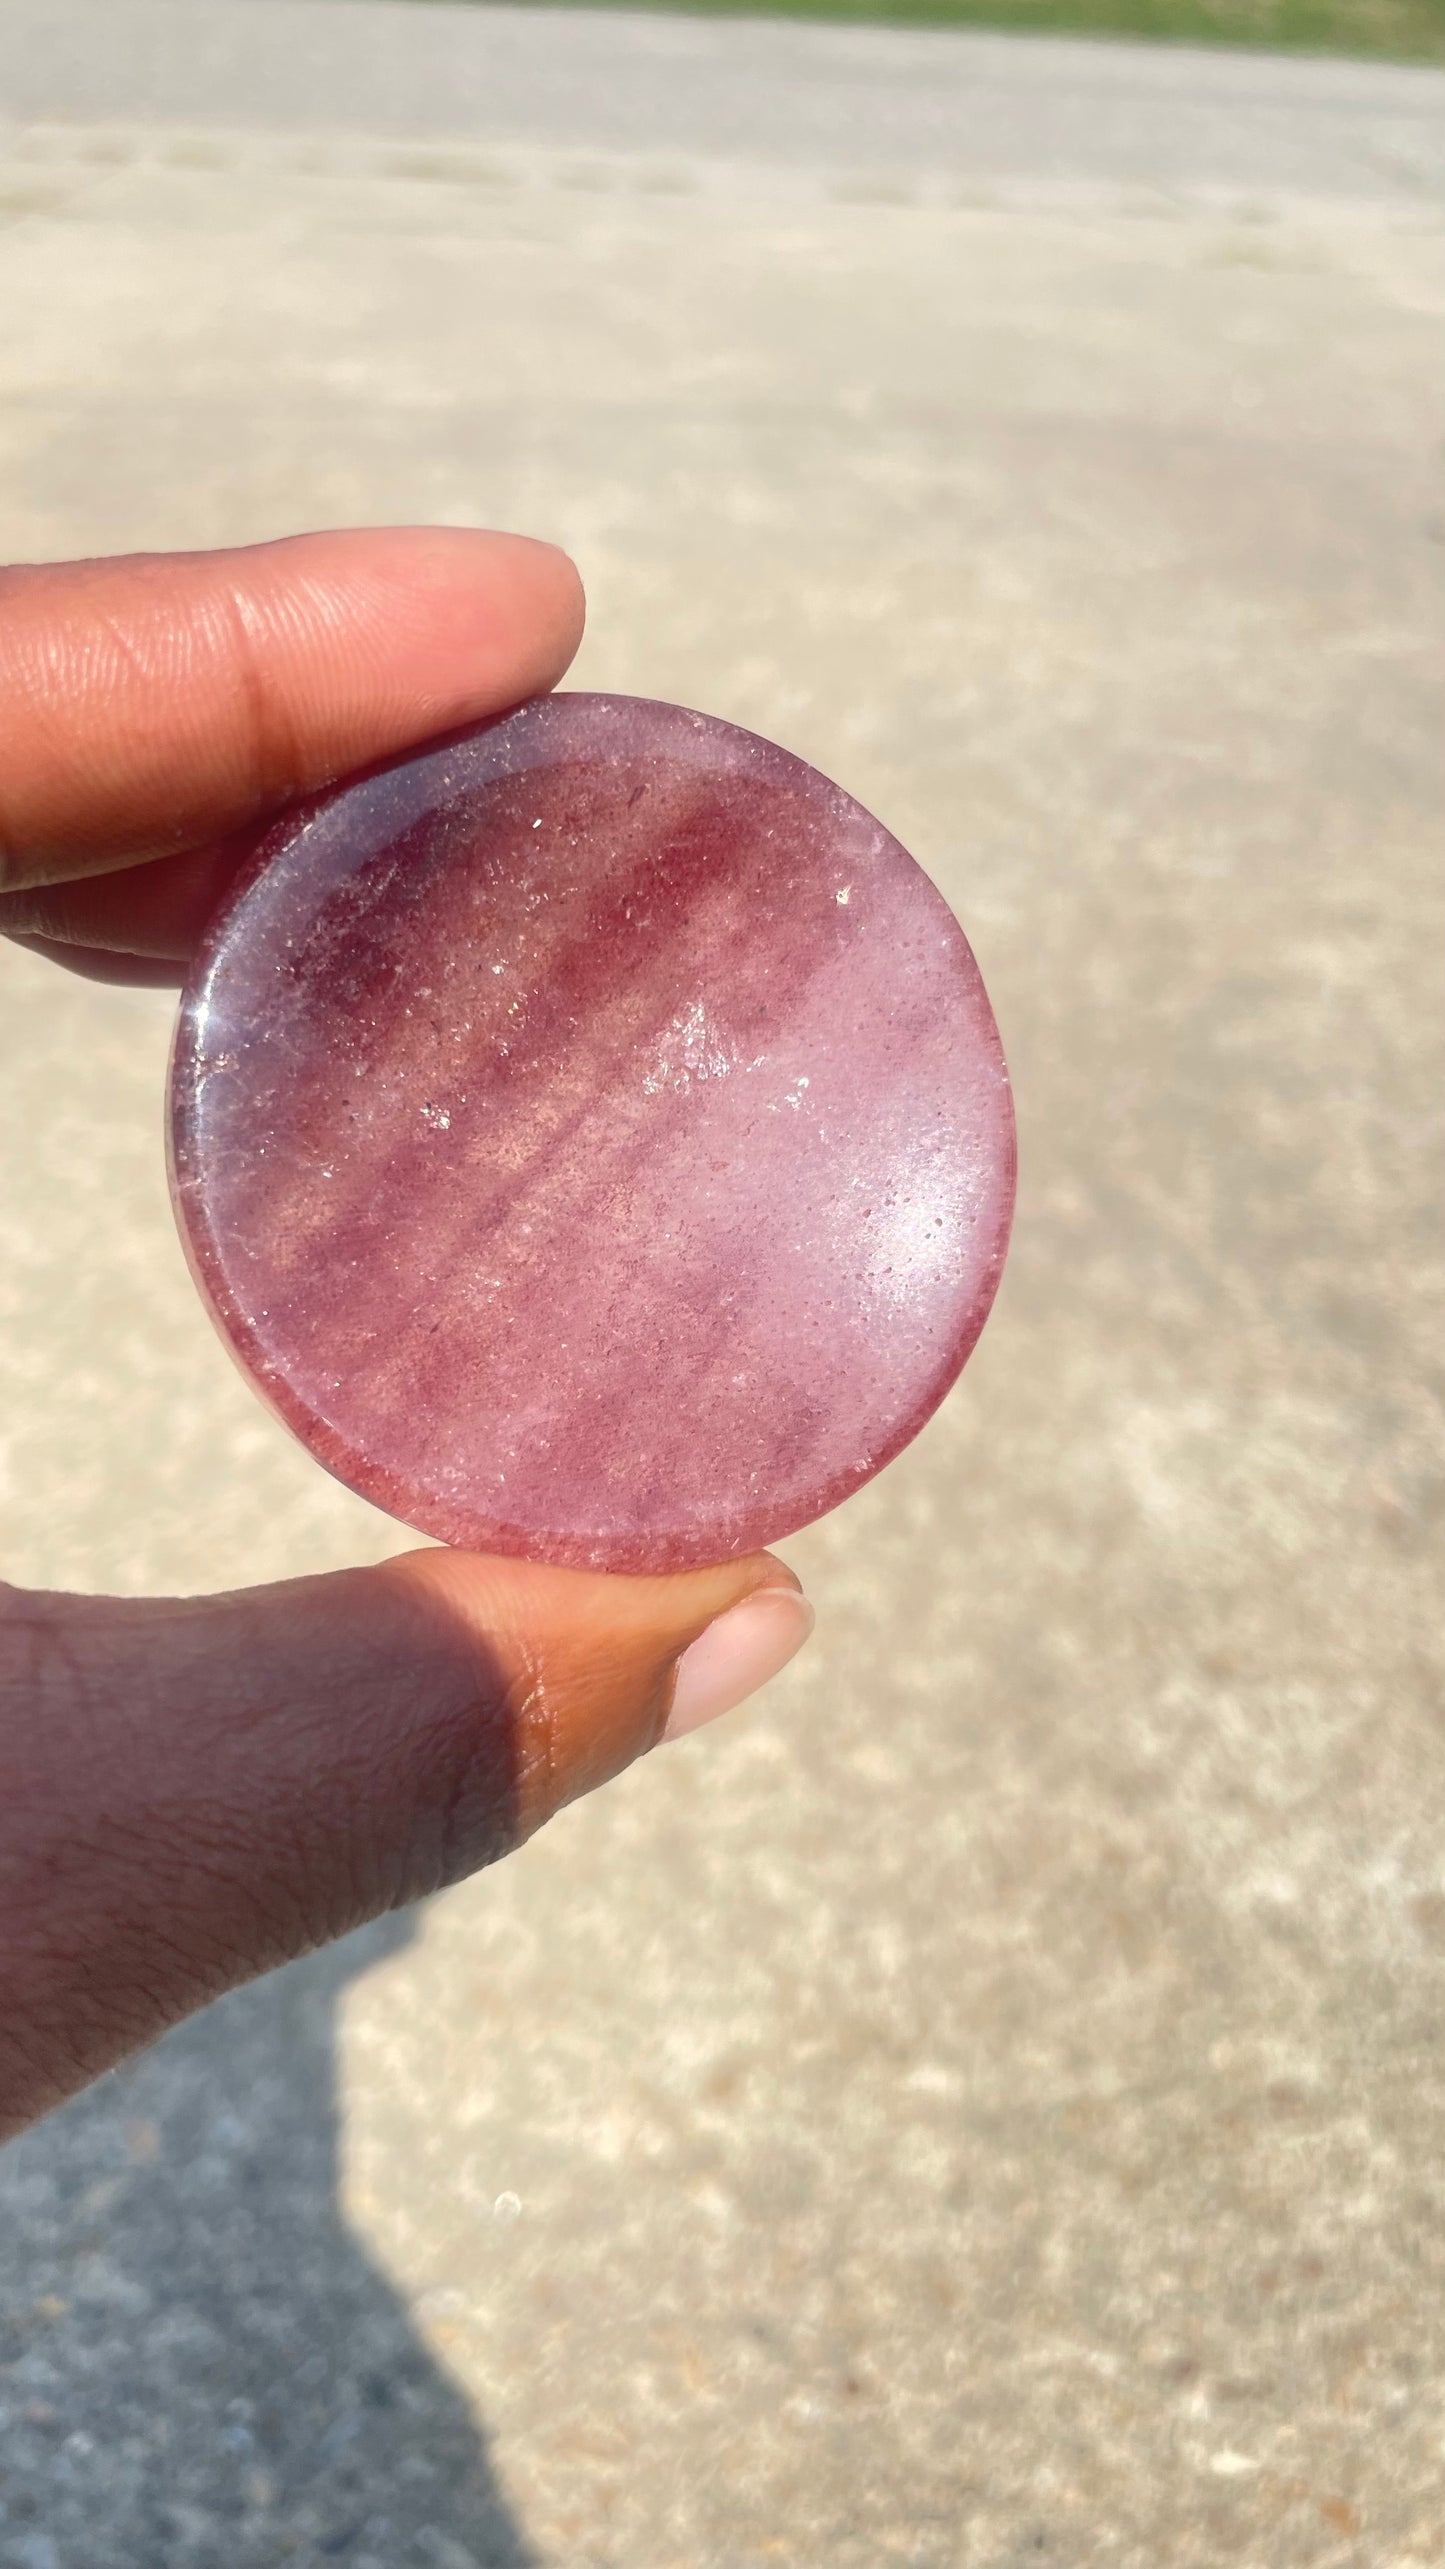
200,2367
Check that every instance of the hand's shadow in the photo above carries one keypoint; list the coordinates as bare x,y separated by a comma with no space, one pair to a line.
200,2367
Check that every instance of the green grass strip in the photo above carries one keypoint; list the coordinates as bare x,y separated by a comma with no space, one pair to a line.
1385,30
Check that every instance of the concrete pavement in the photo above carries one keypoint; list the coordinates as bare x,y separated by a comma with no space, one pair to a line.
982,2105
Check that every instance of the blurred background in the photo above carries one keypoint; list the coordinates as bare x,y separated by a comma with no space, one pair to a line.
982,2106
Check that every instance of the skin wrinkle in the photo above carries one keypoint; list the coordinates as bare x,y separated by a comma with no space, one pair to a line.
60,1894
537,1742
104,964
465,1811
30,1619
103,1685
460,1758
474,1818
59,668
279,769
128,651
39,2069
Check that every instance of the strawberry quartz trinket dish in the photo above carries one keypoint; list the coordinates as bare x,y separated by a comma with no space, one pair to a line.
591,1135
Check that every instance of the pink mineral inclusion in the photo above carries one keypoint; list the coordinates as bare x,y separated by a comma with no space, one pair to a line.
592,1137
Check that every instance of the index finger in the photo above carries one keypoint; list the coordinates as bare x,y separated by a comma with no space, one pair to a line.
153,703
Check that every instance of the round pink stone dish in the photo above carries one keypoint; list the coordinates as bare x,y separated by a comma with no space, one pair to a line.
592,1137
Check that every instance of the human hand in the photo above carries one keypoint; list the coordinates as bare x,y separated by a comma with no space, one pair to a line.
195,1790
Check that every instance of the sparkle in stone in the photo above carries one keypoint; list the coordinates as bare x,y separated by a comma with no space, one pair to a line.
591,1135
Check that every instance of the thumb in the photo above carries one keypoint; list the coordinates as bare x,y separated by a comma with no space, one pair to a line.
195,1790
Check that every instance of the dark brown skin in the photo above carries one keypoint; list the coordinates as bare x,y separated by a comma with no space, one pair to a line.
195,1790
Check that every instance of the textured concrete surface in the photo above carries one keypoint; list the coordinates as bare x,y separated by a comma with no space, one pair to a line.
982,2106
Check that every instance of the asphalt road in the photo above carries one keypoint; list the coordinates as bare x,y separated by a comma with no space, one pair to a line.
982,2105
866,104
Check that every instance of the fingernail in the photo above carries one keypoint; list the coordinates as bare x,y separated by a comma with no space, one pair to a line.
736,1655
